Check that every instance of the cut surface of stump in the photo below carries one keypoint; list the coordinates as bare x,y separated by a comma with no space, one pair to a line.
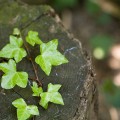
77,79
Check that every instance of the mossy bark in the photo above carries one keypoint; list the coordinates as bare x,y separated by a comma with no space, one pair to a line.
78,84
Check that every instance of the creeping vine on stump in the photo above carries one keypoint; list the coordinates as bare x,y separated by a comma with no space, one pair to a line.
79,89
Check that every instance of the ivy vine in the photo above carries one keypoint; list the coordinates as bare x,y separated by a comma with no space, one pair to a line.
49,56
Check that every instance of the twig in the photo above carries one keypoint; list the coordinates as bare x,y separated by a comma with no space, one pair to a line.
35,71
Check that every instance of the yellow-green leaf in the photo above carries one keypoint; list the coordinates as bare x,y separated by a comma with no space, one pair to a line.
52,95
50,56
24,111
13,49
36,90
33,38
11,76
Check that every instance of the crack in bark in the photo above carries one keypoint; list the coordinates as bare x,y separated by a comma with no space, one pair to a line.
34,20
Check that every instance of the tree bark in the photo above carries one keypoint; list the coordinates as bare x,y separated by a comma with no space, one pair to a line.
79,88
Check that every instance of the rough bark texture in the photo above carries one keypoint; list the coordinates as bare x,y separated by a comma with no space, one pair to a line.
78,85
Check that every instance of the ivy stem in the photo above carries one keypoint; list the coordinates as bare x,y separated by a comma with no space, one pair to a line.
35,70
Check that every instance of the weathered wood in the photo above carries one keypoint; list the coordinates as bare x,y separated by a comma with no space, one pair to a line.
77,78
35,2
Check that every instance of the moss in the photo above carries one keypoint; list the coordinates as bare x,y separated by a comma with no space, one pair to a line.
13,14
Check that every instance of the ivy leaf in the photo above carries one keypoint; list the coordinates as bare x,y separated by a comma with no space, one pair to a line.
11,76
33,38
19,103
8,67
16,31
22,114
53,88
13,49
50,56
52,95
36,90
24,111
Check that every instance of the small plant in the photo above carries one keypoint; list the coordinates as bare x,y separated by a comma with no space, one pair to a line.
24,111
49,56
52,94
13,49
11,76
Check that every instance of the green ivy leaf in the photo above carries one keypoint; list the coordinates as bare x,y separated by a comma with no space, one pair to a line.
50,56
16,31
33,38
24,111
36,90
52,95
19,103
11,76
13,49
22,114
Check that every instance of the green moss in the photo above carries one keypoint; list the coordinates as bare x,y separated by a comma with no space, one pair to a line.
13,14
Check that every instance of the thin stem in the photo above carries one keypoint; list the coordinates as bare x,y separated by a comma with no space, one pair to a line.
35,70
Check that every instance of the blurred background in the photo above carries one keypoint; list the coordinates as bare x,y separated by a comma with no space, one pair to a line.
96,23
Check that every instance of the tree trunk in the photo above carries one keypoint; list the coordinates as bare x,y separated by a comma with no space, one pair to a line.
79,89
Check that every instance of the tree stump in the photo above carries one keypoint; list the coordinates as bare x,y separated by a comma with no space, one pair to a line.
77,78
